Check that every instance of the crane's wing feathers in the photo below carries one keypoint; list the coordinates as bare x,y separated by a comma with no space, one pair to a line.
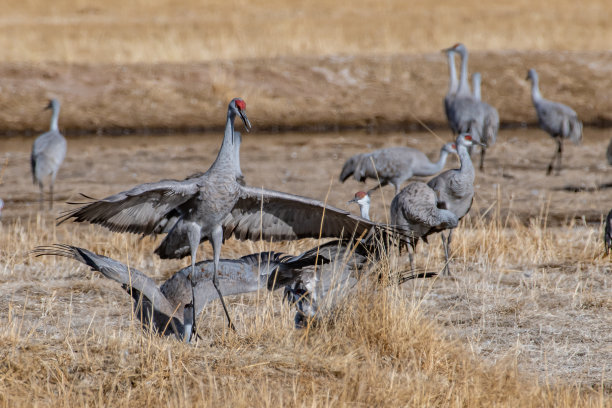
272,215
138,210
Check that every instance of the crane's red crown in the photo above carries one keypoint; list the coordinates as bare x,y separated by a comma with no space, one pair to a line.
360,194
454,146
240,104
468,138
456,45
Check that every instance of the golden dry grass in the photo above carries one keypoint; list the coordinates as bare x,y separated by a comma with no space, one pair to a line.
68,339
525,321
162,30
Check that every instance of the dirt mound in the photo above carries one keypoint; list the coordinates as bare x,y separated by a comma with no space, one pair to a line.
318,93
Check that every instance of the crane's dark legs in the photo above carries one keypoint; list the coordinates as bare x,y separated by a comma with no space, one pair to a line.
559,154
193,234
483,151
217,239
51,195
556,157
446,270
380,185
41,198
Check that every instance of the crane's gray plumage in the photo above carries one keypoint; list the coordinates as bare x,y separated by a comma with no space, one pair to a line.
215,205
393,165
476,82
558,120
165,309
202,202
469,114
452,88
455,188
48,152
416,212
491,120
608,232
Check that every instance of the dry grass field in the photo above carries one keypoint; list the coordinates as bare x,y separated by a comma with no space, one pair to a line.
168,31
524,321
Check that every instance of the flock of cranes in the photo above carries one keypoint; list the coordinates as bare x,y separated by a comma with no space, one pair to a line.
217,204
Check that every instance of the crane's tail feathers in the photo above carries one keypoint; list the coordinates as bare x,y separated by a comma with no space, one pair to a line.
575,131
63,250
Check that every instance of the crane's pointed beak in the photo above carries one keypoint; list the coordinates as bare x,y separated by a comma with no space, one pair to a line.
49,106
247,124
445,50
354,200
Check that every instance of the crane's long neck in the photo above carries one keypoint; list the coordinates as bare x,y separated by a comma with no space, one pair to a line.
467,169
464,87
535,88
439,165
476,85
365,210
55,118
452,72
227,154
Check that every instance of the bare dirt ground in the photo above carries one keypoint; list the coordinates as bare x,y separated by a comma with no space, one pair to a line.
316,93
530,286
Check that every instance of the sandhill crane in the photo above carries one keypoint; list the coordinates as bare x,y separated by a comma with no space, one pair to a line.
456,188
167,223
469,114
215,206
363,200
318,290
393,165
559,120
415,211
168,309
452,87
608,232
48,152
491,121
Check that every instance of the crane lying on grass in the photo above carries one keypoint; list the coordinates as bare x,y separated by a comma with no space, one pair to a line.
558,120
48,152
169,309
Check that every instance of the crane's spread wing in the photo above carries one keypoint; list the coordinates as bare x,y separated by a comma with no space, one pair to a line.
138,210
113,270
275,216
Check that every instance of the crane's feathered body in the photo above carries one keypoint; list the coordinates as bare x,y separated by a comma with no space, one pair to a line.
455,188
166,304
468,114
415,211
393,165
48,153
558,120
